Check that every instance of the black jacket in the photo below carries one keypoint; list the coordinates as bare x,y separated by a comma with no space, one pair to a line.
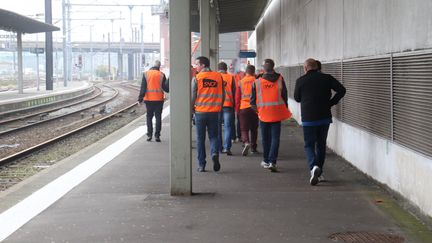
273,77
165,85
313,91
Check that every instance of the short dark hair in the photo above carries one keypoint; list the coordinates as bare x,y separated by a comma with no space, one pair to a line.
268,65
203,60
318,64
222,66
250,69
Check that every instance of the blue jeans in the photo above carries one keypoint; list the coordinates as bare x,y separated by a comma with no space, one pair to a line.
270,134
206,121
225,117
315,138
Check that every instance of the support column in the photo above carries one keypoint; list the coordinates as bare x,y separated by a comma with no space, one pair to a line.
20,63
205,27
120,66
214,39
48,48
130,66
180,93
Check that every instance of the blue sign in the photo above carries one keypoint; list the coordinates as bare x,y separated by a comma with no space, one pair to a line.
247,54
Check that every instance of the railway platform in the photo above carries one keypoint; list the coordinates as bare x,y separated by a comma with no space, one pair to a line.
11,101
118,191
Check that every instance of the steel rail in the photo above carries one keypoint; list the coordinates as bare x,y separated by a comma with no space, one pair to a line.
37,147
3,122
57,117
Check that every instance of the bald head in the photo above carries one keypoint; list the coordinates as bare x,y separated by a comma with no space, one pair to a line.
157,64
310,64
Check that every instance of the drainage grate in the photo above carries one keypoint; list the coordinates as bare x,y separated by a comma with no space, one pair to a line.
366,237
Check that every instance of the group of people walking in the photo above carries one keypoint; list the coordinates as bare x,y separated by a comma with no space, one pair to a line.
260,101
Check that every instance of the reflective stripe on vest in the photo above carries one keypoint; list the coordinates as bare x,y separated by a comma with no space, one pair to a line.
209,93
154,90
246,91
271,106
228,82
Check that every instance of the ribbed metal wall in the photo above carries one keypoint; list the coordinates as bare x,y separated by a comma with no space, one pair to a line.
389,96
335,69
367,103
412,100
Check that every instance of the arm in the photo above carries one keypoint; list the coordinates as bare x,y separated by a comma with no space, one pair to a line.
339,89
143,89
253,97
284,92
223,92
297,93
194,92
165,84
233,88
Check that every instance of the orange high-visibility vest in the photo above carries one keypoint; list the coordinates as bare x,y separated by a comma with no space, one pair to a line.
229,96
209,93
246,91
270,104
154,85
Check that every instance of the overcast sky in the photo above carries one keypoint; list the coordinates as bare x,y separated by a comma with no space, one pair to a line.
81,28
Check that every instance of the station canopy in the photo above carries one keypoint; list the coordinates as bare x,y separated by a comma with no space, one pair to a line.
13,22
233,15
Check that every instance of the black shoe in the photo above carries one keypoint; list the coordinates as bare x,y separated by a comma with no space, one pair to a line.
216,164
254,151
229,153
201,169
149,139
157,139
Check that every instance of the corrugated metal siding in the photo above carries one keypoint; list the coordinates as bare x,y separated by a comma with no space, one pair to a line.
335,69
367,103
412,100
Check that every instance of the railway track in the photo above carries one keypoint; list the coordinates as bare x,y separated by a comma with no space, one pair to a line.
38,118
39,146
66,132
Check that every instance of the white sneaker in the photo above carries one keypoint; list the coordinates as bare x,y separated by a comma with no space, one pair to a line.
272,167
265,165
245,150
314,175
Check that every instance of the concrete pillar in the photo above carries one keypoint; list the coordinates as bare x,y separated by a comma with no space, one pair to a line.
120,66
180,93
214,39
205,27
130,66
20,63
49,68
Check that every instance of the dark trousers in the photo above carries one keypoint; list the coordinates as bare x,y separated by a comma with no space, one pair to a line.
249,122
154,108
270,135
315,138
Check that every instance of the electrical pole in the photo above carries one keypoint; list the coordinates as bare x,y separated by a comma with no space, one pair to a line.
91,52
109,57
65,63
48,50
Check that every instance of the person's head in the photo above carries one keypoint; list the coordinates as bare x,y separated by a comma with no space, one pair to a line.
318,65
310,64
250,69
222,66
268,65
157,64
201,63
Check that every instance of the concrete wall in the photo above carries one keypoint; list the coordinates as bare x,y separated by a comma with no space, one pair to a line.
330,30
293,30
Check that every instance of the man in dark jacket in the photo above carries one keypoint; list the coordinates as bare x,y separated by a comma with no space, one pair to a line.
153,84
314,91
